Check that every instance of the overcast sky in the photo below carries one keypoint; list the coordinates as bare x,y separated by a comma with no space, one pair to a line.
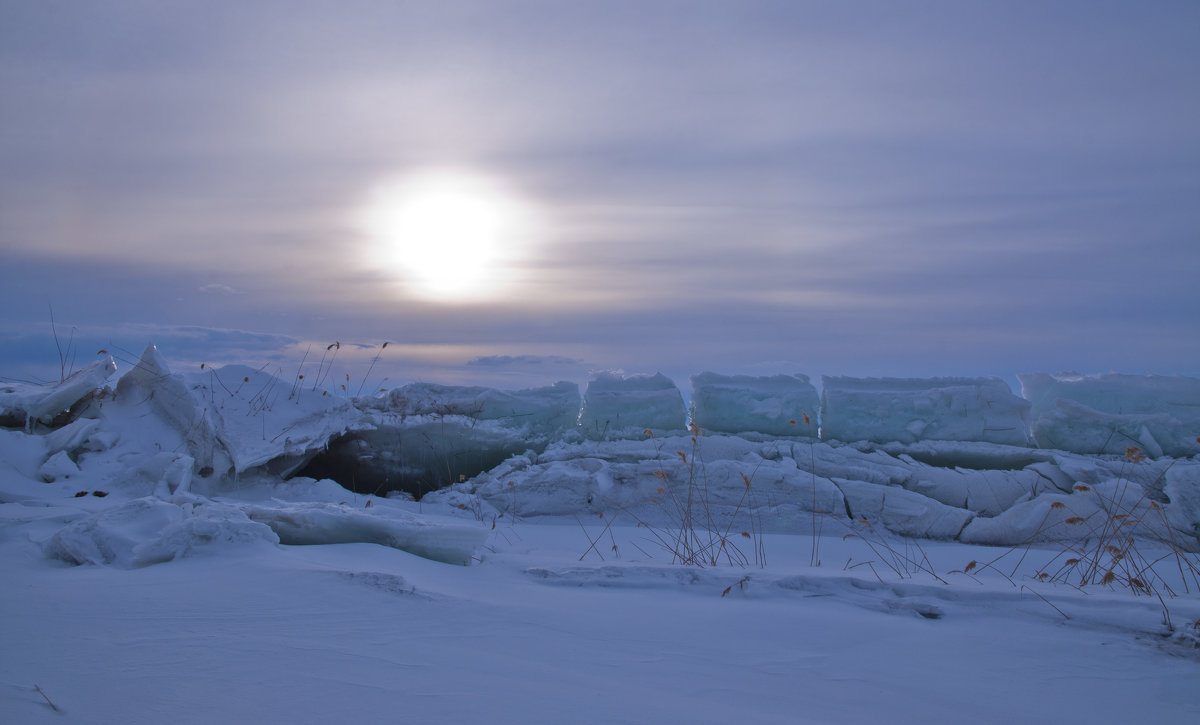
867,188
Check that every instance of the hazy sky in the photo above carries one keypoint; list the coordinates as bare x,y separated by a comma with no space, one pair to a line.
866,188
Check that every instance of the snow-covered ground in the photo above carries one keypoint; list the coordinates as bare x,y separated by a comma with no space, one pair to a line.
158,567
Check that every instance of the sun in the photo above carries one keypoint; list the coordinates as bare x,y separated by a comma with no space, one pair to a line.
447,236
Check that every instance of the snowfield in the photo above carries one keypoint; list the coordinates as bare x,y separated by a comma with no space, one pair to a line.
167,557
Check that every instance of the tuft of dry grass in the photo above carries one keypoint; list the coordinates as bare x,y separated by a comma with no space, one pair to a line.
692,535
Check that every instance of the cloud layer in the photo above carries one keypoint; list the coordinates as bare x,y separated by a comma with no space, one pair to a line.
863,190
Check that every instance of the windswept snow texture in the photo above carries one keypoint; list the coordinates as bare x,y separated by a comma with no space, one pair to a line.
907,410
1159,414
781,405
623,407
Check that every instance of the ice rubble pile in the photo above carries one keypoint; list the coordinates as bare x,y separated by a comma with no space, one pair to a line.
733,484
1108,413
163,464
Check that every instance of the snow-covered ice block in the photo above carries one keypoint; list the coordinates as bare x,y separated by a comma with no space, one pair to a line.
149,531
44,403
545,411
1108,413
625,407
913,409
903,512
984,492
71,437
260,419
236,418
151,387
775,405
323,523
1086,514
1182,488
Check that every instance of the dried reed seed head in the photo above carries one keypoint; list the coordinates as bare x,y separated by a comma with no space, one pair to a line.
1133,453
648,433
970,566
807,420
1043,576
1075,520
246,379
1112,549
1108,578
746,480
747,535
792,421
1058,505
682,455
695,429
102,351
201,366
1072,562
1082,487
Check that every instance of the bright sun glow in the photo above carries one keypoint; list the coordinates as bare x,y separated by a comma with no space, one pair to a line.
450,237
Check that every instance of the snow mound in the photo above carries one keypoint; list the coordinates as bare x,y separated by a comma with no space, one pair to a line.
323,523
149,530
915,409
625,407
775,405
1108,413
